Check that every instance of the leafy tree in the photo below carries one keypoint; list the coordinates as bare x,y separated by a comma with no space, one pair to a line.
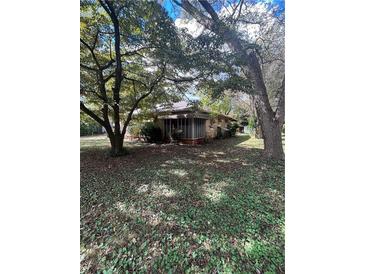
128,52
222,104
246,44
88,126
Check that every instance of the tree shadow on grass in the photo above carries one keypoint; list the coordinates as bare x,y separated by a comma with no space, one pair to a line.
204,209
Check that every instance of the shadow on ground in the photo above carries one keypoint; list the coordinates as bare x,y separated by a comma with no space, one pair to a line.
213,208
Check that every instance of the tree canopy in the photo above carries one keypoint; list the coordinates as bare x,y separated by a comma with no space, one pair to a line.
245,40
133,57
129,51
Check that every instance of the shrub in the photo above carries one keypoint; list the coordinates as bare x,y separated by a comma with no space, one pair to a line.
151,132
89,128
135,130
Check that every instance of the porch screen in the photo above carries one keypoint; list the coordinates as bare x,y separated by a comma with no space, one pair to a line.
199,128
185,128
191,129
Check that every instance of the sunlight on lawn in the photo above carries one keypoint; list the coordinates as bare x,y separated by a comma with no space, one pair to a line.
214,192
156,190
178,172
162,190
213,208
222,161
102,142
94,141
252,142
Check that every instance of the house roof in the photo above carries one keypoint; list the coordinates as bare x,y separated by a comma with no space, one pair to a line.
181,108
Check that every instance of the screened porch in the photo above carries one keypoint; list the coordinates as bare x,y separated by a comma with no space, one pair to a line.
184,128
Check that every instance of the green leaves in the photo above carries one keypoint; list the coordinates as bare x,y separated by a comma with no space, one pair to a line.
148,44
128,223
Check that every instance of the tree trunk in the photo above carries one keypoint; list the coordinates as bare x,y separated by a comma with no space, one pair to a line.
258,130
269,122
124,132
116,146
270,126
273,144
270,129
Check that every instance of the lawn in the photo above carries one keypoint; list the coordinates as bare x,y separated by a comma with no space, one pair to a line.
214,208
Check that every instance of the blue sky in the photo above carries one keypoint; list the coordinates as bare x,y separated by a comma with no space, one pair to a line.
174,11
171,10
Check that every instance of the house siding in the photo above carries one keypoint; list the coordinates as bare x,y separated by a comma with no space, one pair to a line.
211,126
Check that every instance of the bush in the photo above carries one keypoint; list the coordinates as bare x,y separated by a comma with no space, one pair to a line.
89,128
134,130
151,132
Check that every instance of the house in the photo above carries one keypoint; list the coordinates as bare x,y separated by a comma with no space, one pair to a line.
191,124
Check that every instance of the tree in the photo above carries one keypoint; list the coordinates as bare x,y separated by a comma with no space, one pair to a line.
250,57
222,104
127,48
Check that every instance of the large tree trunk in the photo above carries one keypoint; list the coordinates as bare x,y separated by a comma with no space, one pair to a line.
116,146
124,131
258,131
117,150
272,139
271,131
268,120
270,126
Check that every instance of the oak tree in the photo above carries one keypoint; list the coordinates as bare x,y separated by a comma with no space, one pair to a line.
127,48
252,56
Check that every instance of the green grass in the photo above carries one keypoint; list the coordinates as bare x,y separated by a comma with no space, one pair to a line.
216,208
101,142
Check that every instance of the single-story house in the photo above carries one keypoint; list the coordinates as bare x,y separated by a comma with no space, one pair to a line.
191,124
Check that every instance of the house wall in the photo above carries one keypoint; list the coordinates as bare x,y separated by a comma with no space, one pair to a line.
212,125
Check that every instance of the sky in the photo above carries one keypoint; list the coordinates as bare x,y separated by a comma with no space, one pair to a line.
174,10
194,28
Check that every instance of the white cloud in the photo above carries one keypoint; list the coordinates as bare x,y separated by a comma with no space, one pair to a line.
192,26
249,31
